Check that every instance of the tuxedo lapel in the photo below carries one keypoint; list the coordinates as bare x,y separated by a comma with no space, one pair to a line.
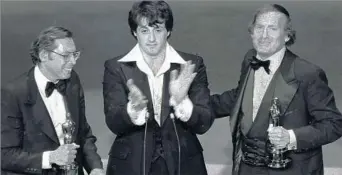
43,119
131,71
39,111
235,118
247,104
283,86
165,110
286,84
236,115
72,104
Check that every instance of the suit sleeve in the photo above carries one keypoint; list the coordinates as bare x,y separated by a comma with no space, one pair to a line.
115,97
222,104
326,122
89,150
201,118
13,157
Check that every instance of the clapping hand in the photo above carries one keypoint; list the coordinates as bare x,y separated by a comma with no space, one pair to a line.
181,82
137,103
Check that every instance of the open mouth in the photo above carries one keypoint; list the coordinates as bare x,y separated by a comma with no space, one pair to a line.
68,69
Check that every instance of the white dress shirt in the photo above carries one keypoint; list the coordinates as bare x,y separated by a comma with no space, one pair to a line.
262,79
55,106
156,83
261,82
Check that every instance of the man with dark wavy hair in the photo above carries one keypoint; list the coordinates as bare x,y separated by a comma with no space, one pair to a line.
34,107
147,104
309,117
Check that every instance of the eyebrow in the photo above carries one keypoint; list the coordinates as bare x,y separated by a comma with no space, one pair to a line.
271,25
154,26
159,26
68,52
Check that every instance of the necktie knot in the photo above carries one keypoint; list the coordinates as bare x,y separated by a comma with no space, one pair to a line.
60,87
256,64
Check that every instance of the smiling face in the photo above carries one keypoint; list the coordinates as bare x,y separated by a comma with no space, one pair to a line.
57,65
151,39
269,34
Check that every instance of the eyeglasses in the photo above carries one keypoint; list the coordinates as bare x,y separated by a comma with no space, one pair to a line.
67,58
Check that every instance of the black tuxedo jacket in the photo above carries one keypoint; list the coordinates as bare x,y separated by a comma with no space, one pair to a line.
308,107
126,154
27,129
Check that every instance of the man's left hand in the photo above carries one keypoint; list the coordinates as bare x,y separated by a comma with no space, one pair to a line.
97,171
279,136
180,82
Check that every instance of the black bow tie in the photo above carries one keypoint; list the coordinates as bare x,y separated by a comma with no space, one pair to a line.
256,64
60,86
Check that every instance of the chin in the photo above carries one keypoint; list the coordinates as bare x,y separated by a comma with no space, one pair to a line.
264,53
262,49
66,76
152,53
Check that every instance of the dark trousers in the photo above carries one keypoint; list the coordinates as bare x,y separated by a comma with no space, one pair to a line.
248,170
158,167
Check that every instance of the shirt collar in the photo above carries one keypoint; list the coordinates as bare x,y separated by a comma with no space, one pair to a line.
41,80
135,55
275,59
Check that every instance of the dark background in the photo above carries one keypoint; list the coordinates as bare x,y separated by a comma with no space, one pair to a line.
215,30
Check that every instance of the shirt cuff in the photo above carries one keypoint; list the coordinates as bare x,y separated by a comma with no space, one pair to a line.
293,141
137,117
184,109
46,160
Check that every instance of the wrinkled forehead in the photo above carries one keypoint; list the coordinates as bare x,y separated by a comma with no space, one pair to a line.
65,45
143,21
271,17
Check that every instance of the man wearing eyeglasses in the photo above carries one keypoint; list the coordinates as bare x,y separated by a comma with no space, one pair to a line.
36,104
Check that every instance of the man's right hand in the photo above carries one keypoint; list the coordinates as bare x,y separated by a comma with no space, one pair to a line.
136,97
137,105
64,154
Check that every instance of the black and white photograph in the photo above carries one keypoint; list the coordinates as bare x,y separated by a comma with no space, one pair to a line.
171,87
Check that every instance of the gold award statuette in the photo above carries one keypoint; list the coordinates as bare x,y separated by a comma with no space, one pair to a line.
68,128
278,159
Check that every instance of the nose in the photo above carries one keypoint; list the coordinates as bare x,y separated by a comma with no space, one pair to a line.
151,37
264,33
